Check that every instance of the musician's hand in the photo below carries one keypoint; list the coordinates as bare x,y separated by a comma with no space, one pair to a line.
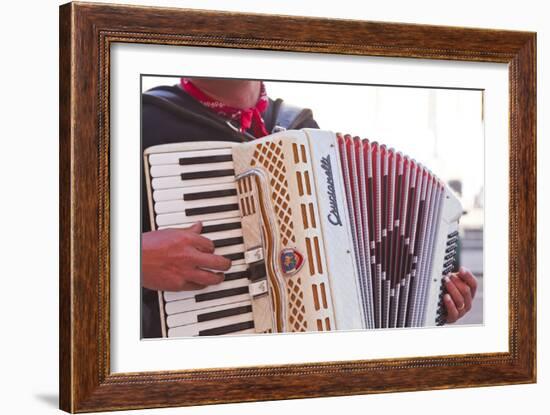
176,260
461,290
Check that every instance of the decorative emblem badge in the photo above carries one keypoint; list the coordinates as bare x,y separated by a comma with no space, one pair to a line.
291,261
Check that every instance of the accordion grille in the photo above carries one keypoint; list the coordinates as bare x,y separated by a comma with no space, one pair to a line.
297,309
270,156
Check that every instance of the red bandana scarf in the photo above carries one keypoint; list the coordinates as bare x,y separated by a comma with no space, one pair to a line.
248,118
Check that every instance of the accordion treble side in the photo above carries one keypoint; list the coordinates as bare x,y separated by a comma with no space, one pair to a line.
325,232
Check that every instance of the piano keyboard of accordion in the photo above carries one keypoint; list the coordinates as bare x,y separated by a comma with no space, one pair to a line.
199,185
374,230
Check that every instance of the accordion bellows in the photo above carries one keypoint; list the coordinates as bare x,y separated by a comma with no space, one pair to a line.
325,232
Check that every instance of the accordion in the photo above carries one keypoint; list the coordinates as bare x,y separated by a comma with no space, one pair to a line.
324,231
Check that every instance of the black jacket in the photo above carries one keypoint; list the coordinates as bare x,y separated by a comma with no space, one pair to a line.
169,115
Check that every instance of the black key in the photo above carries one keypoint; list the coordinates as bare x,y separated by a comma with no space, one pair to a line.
219,243
257,271
449,256
452,234
213,315
205,159
232,328
221,227
207,174
210,195
235,256
231,276
214,295
211,209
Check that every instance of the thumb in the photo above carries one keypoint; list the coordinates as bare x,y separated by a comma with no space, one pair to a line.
196,228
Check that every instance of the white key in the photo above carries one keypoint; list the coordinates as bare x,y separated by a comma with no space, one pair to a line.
181,218
238,262
181,205
231,249
194,329
189,304
177,193
182,295
176,181
215,236
205,223
183,319
176,169
233,233
174,158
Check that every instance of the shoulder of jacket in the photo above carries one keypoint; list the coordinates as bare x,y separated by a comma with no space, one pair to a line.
291,117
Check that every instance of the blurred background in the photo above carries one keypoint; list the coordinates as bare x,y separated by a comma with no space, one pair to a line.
441,128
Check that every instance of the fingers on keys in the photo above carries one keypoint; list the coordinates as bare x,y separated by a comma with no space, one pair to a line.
191,286
195,228
466,276
458,299
203,277
202,244
215,262
452,312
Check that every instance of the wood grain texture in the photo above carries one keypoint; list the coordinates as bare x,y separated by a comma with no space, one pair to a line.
65,248
86,33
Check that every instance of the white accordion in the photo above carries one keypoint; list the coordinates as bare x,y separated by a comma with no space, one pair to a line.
324,232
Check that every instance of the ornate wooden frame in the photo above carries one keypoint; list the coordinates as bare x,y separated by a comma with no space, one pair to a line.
86,33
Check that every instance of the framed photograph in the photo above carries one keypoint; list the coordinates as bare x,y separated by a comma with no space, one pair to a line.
258,207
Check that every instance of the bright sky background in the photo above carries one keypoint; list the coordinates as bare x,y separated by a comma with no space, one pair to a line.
441,128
